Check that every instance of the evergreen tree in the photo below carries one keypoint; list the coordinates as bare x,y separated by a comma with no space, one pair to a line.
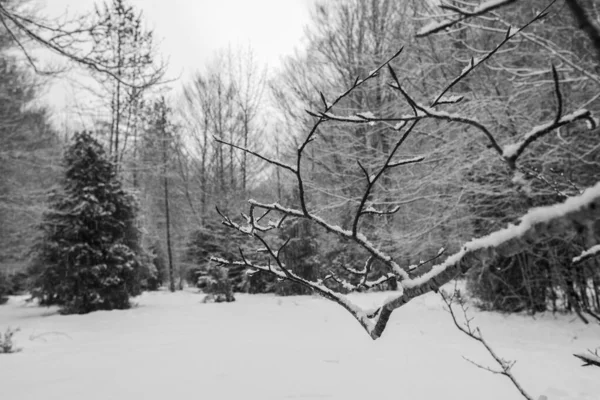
88,257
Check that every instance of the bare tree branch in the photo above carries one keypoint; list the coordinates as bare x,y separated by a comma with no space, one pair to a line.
534,226
589,359
513,151
474,63
586,24
62,40
257,155
460,14
310,137
475,334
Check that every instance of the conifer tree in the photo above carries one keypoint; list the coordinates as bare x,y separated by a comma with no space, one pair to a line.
88,256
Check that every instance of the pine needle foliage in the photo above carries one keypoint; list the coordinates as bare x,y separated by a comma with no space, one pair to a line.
88,255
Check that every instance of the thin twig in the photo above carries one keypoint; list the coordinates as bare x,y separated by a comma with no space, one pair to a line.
475,334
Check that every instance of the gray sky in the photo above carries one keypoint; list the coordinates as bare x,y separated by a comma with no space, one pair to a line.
190,31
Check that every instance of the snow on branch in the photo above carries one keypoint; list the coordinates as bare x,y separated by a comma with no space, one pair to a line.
406,162
282,272
512,151
587,254
453,99
537,224
460,14
358,238
373,211
423,112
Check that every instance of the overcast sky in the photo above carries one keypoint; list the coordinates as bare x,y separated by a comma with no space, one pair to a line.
190,31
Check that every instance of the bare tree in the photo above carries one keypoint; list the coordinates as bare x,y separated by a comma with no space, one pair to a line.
475,333
70,37
161,187
223,104
122,43
415,280
162,126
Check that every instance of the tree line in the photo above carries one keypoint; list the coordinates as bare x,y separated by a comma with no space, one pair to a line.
183,154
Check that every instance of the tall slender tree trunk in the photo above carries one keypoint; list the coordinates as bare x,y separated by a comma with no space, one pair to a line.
112,124
277,170
203,178
117,114
135,163
117,120
245,155
168,231
167,215
231,162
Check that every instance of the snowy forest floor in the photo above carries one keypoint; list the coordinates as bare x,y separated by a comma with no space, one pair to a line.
172,346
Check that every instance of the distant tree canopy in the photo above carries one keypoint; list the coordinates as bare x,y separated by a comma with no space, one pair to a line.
28,150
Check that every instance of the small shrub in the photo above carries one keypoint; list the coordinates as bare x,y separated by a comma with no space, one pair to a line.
216,283
7,345
19,282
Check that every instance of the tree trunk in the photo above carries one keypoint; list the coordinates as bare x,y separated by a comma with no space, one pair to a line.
168,231
167,214
245,155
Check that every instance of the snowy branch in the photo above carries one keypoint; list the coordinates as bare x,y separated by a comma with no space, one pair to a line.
589,359
509,153
587,254
359,239
513,151
460,14
537,224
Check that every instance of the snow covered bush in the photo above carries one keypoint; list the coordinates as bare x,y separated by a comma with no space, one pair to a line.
217,284
7,345
88,254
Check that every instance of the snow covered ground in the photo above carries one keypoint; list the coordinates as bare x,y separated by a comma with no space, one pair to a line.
172,346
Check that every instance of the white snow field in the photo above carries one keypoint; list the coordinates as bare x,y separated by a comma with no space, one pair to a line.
172,346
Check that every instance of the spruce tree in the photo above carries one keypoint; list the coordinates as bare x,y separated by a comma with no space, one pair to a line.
88,255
